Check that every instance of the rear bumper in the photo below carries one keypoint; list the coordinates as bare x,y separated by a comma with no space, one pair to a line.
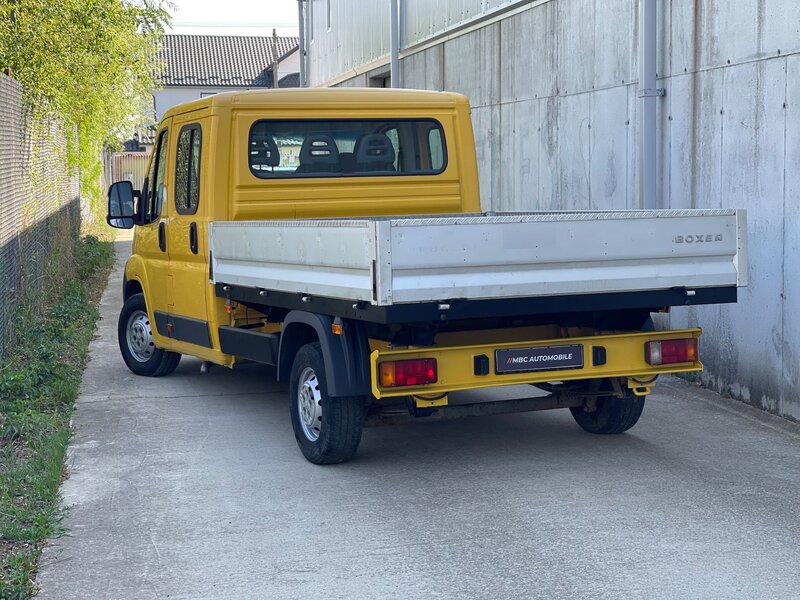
623,356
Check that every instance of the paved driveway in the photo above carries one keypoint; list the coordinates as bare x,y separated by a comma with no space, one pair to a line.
191,486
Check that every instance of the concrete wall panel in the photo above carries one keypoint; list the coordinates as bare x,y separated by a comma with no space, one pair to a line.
790,401
423,70
752,176
549,154
486,124
576,45
634,107
529,74
609,149
519,156
574,176
472,65
781,28
614,53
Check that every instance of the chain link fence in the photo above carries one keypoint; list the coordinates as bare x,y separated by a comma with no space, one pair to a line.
39,201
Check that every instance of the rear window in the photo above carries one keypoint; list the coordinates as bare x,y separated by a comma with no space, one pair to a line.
346,148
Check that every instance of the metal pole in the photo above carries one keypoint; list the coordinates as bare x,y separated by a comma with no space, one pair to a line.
302,42
394,41
648,93
275,78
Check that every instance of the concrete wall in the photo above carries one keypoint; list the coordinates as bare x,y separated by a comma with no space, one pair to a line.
554,84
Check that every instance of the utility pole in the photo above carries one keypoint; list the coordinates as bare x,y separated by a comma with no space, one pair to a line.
302,42
394,42
275,82
649,94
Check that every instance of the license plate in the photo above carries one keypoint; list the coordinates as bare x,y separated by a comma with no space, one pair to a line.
549,358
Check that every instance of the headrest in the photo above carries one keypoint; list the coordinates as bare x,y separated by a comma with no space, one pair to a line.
264,150
319,150
374,148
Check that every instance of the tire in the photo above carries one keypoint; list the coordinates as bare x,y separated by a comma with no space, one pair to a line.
327,430
136,343
612,416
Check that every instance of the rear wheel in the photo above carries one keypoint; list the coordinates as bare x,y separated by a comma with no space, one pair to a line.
135,334
611,415
327,430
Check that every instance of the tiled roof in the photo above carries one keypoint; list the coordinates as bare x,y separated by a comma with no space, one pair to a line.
221,60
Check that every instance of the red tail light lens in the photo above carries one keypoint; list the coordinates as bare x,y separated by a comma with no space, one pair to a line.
399,373
668,352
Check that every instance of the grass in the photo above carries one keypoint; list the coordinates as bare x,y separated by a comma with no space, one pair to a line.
39,381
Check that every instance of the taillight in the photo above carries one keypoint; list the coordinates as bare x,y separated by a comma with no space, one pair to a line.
417,371
667,352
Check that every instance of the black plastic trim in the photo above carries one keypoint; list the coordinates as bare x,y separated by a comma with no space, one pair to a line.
346,356
429,312
253,345
184,329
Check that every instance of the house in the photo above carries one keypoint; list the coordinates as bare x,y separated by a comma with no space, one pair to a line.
196,66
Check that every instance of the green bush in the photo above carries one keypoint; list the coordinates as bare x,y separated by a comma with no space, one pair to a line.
39,381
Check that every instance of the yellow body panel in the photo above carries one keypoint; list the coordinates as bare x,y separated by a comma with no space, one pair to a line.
625,358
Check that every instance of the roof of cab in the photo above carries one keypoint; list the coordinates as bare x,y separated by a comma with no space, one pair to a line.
323,97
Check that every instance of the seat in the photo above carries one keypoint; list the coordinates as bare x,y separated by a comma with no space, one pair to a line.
263,151
374,152
318,154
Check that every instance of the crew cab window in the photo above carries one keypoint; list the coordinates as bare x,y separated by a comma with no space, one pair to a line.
187,170
153,192
346,148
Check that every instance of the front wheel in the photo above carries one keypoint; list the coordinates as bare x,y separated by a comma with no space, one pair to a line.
135,334
611,415
328,430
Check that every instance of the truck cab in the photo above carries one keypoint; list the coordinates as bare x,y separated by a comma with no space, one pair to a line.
338,235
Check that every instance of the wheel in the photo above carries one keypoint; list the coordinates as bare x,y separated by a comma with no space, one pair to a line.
328,430
135,334
612,415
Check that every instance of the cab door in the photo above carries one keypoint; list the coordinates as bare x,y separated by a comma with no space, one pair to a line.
186,238
151,236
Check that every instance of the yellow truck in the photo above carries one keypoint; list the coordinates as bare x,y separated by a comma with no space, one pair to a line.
337,234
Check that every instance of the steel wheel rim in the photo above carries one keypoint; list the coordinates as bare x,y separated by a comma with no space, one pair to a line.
309,404
139,336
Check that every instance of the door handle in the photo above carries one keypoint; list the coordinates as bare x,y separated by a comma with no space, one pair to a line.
162,236
193,238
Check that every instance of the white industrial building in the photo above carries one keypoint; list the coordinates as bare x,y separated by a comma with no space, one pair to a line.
559,123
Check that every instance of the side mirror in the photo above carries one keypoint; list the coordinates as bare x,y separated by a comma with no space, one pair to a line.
121,210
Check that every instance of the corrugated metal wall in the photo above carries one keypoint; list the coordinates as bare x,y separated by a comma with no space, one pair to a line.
553,84
36,194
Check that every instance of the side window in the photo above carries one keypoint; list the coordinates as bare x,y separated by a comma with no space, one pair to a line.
436,145
153,192
187,170
394,137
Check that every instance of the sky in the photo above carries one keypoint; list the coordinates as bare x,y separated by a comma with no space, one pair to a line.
234,17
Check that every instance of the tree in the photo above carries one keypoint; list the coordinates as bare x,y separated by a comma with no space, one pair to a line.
89,63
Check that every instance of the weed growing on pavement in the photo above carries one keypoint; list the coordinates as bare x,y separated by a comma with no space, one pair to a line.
39,380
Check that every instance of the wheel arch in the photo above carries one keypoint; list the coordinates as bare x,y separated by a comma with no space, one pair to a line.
130,288
346,355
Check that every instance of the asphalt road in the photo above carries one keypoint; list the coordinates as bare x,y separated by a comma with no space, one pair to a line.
191,486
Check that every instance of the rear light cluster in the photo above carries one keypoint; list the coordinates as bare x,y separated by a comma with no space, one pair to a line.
667,352
399,373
